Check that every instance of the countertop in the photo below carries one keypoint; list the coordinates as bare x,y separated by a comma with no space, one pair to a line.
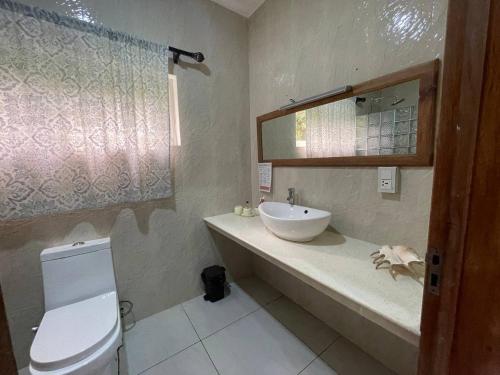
338,266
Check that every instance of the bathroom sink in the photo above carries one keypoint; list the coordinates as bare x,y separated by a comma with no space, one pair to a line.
292,222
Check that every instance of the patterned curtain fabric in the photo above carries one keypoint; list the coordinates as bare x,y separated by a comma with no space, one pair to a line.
331,130
84,119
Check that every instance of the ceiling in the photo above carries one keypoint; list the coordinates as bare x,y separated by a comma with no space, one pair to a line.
243,7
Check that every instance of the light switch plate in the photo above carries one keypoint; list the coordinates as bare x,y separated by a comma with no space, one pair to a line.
388,179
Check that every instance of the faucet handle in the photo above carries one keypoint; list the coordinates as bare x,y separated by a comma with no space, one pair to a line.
291,195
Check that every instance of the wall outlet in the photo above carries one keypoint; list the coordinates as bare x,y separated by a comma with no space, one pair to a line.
388,179
386,184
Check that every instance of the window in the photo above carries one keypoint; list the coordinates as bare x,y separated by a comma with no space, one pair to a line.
300,129
173,103
84,120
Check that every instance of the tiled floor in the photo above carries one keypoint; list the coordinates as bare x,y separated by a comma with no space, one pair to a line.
253,331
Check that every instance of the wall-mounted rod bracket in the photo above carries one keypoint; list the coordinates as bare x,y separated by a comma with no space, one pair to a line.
176,54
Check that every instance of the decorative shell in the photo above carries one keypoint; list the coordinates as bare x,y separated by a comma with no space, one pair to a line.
398,258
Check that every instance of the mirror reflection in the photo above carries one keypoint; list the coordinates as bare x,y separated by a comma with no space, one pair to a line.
382,122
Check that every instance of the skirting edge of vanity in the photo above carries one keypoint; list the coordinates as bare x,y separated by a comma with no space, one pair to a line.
338,266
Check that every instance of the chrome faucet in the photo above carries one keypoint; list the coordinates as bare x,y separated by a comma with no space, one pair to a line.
291,196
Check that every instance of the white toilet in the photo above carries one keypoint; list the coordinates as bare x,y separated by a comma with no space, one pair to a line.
81,331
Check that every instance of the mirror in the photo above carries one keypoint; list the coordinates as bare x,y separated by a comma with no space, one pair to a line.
386,121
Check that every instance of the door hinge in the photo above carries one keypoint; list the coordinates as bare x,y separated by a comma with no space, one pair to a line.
434,260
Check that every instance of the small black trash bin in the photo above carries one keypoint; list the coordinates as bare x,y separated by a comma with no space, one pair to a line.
214,278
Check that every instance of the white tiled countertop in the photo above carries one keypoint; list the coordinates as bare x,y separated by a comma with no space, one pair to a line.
338,266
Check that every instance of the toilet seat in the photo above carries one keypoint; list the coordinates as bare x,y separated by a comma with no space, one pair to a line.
73,333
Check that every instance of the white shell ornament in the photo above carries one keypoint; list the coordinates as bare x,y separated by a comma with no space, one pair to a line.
397,258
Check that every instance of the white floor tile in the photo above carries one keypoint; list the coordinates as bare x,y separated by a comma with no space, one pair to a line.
260,291
347,359
257,344
318,367
208,317
156,338
192,361
312,331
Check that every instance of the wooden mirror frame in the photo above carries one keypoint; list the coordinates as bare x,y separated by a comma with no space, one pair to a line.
427,73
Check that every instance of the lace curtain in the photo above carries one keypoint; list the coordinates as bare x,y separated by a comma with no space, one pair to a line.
331,130
84,119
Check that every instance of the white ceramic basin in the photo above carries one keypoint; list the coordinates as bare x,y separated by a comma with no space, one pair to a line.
293,223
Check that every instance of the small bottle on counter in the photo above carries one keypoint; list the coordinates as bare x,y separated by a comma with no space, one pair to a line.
247,210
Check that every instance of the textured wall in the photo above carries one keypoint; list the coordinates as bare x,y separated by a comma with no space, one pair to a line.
159,247
300,48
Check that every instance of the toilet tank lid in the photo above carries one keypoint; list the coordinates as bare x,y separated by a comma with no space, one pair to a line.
76,248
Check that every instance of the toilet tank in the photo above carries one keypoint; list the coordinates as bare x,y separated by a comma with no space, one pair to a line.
76,272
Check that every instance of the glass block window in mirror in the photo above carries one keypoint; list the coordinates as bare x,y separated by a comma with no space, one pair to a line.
386,133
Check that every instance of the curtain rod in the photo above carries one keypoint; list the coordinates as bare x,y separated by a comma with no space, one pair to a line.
176,52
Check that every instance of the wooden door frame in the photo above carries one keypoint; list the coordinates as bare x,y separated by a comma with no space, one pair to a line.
456,148
7,361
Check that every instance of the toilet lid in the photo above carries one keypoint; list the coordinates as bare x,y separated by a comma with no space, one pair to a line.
71,333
